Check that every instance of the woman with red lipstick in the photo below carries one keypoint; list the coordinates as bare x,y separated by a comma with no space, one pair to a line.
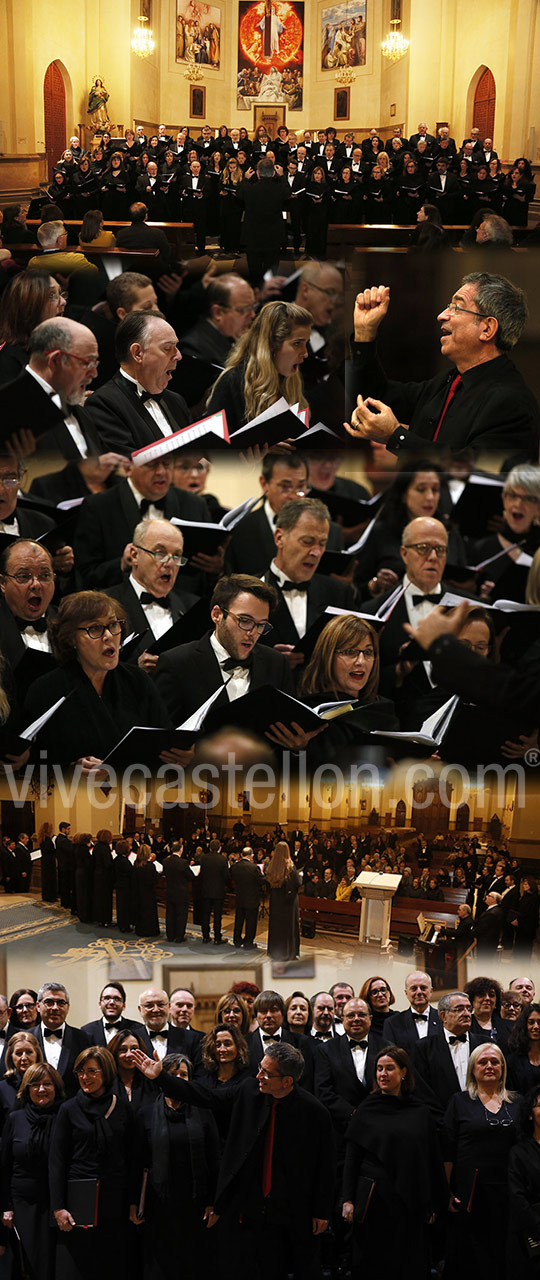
264,365
345,665
519,534
103,699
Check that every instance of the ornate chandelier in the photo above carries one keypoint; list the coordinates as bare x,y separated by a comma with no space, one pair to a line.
394,44
345,75
142,42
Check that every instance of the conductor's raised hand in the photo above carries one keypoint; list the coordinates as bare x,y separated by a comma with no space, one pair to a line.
370,308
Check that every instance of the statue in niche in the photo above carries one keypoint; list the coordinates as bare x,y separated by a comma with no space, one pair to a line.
97,105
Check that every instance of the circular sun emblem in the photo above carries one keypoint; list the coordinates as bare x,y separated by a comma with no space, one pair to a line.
290,39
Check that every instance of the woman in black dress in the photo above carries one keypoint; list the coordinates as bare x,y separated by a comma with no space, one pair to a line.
524,1050
84,876
22,1052
230,207
317,206
145,892
108,697
485,997
520,533
124,884
526,917
524,1193
130,1084
264,365
92,1140
479,1131
26,1143
225,1059
103,863
393,1179
379,996
283,923
179,1145
49,877
345,666
114,185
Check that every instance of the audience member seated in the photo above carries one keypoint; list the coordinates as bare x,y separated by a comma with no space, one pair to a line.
56,259
140,236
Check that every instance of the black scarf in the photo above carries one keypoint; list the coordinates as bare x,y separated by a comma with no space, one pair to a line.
96,1110
395,1132
162,1117
40,1120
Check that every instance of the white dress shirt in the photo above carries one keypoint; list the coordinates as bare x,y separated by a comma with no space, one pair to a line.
237,681
296,601
70,420
153,513
359,1055
153,408
52,1048
459,1053
421,1027
159,619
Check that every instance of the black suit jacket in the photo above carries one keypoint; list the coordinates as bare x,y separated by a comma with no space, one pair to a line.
303,1043
400,1029
140,236
433,1061
24,404
205,342
105,526
214,876
248,883
336,1082
179,1040
12,645
487,929
321,592
188,675
178,878
252,547
121,420
181,601
73,1043
263,202
96,1034
59,441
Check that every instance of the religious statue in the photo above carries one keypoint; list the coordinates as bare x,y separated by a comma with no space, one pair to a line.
97,105
270,28
271,90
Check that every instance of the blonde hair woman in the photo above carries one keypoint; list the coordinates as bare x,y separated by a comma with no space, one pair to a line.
264,365
283,923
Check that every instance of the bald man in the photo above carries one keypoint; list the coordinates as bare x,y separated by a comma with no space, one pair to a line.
159,1035
150,597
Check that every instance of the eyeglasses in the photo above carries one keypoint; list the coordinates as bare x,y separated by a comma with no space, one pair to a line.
9,481
89,1071
453,308
51,1004
301,491
23,577
20,1008
89,362
193,466
267,1075
97,630
482,649
162,557
249,624
330,293
425,549
526,498
368,653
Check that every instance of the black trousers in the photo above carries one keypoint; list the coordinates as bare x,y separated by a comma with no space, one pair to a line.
277,1250
209,906
245,916
176,914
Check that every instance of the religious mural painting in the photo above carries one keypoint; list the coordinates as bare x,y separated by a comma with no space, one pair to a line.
198,33
270,53
343,35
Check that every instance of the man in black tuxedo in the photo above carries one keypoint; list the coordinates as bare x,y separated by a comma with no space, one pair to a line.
24,861
248,885
46,398
213,884
19,518
482,403
182,1008
441,1060
188,675
264,201
60,1044
283,478
135,408
415,1024
10,866
27,589
149,596
344,1066
301,537
158,1034
489,926
64,859
178,879
443,189
130,291
107,522
422,133
193,196
139,236
112,1003
269,1010
229,312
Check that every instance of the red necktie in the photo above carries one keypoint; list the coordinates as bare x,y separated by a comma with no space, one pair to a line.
453,388
268,1152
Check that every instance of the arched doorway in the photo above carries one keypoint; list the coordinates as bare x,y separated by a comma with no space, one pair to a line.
463,812
484,104
54,103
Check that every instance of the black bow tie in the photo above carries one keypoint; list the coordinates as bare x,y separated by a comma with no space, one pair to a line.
420,1017
113,1026
53,1035
151,502
358,1044
150,395
231,664
267,1037
39,624
295,586
323,1035
159,1035
164,602
458,1039
433,599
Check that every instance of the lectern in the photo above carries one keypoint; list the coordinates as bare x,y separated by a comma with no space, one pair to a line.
377,892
